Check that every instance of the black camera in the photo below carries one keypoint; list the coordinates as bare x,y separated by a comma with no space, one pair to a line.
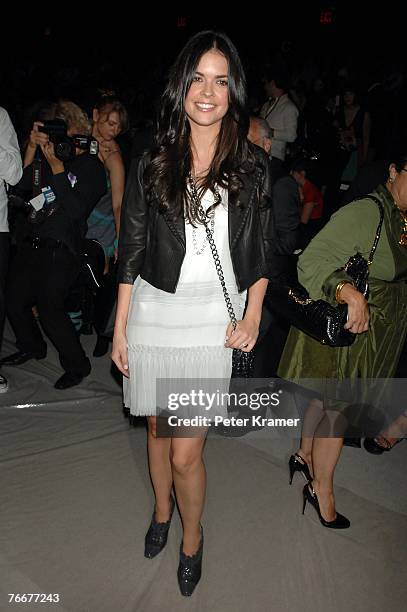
65,146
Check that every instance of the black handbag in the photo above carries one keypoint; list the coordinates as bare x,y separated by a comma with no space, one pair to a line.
318,318
242,361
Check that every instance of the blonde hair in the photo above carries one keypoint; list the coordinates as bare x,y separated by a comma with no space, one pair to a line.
74,116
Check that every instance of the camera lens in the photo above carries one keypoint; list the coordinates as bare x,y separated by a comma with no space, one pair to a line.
65,150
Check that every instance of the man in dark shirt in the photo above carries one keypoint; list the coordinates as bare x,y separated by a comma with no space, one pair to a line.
48,260
286,223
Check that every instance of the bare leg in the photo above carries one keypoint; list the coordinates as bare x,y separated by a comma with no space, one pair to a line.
190,485
325,455
160,470
312,418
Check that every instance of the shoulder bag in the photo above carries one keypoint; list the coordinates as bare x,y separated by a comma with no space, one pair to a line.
318,318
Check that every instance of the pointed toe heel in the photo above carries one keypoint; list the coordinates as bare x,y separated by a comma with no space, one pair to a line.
340,522
190,569
157,535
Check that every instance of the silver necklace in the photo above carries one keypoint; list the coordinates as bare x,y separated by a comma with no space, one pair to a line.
195,201
205,240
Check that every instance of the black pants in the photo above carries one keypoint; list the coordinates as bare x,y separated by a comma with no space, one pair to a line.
4,248
270,346
44,276
105,302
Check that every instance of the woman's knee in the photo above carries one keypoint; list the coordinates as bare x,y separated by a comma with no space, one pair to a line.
185,462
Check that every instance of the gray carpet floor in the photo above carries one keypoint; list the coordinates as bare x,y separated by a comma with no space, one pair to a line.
76,501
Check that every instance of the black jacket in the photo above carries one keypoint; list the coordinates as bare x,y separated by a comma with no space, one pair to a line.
153,246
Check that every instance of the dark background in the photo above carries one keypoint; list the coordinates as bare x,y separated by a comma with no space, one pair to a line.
73,49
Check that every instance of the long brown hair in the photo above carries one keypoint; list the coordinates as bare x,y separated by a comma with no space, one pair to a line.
165,177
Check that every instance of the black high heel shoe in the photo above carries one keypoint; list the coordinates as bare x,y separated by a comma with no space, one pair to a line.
157,534
190,569
298,464
372,446
341,522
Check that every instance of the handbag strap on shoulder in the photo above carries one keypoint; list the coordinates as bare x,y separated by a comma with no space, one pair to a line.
379,227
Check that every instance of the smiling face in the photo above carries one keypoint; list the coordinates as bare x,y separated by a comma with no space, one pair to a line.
207,100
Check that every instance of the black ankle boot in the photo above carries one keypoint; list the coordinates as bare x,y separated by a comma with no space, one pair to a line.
157,534
190,569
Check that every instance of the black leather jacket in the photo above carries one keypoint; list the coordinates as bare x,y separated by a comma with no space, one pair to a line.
153,246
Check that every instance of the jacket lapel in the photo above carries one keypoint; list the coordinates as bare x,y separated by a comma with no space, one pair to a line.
237,215
177,227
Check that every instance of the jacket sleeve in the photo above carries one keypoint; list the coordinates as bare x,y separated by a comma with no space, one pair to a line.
133,225
351,229
11,167
266,215
90,185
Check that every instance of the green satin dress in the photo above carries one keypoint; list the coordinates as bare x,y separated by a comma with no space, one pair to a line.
374,354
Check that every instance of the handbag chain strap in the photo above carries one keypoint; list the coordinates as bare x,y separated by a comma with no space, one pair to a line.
202,217
379,228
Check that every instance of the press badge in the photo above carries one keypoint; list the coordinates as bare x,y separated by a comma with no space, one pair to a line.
38,202
49,195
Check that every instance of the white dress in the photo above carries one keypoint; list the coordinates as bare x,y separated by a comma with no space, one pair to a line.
181,335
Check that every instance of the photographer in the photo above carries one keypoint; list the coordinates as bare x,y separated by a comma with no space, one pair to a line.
64,180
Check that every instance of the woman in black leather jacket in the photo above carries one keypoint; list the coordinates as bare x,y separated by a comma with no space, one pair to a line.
172,318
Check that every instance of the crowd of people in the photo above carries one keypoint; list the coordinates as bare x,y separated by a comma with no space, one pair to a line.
209,205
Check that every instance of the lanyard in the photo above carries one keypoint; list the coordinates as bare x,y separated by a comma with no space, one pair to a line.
36,178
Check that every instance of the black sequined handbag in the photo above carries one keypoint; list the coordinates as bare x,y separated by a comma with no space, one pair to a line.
242,361
318,318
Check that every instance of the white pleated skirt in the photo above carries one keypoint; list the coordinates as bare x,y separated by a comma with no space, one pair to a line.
178,337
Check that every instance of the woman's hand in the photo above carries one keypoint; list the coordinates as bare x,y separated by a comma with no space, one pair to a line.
119,353
37,138
245,335
49,153
358,309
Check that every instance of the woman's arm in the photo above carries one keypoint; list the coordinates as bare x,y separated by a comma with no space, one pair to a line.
358,309
247,330
119,350
114,164
37,138
133,224
255,300
352,228
134,219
